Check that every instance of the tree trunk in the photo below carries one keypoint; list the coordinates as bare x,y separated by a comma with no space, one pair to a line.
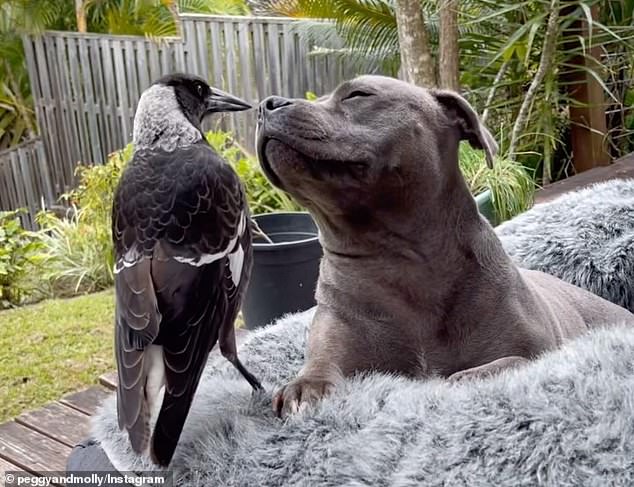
80,12
449,69
587,105
416,59
172,5
545,64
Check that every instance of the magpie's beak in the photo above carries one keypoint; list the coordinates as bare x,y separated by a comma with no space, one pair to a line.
219,101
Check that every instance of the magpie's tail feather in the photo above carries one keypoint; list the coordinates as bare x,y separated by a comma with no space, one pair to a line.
169,427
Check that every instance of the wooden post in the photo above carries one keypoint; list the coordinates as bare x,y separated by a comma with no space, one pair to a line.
587,109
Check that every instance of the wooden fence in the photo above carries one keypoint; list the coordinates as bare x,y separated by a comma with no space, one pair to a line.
25,180
256,57
86,86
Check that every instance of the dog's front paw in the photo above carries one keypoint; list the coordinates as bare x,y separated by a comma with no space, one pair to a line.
299,394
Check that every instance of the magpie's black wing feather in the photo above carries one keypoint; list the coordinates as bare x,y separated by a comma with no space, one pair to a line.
178,219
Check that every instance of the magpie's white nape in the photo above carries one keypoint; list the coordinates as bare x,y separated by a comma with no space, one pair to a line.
171,111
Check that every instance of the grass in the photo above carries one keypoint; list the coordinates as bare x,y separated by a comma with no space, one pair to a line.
53,348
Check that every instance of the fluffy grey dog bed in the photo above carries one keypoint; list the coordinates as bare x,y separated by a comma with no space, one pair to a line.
566,419
585,238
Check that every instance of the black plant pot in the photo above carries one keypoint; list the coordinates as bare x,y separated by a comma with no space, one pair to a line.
285,272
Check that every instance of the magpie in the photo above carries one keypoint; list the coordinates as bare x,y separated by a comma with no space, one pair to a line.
182,238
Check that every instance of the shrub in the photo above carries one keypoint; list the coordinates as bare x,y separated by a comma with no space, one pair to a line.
263,197
18,255
511,185
78,253
78,257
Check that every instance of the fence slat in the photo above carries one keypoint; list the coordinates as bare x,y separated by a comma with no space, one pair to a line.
39,156
274,59
48,125
141,55
90,105
25,179
18,180
78,100
131,75
101,104
155,66
259,56
200,41
64,156
288,60
123,105
31,198
230,58
179,58
218,56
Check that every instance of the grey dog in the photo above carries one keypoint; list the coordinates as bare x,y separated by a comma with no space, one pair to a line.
413,280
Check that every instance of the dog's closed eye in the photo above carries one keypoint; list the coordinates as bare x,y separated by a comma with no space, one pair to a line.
356,94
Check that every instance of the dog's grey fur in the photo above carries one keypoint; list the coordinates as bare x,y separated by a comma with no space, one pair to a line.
547,239
413,280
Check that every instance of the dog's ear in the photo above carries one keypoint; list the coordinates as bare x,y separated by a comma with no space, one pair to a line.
468,122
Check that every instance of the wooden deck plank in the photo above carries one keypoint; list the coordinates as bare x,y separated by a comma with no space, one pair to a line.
108,380
31,450
7,467
59,422
620,169
41,440
86,401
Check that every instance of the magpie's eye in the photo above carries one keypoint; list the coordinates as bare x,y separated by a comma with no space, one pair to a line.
356,94
199,89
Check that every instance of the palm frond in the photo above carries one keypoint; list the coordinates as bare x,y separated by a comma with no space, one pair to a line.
215,7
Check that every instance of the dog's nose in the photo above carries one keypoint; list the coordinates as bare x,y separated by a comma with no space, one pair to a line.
273,103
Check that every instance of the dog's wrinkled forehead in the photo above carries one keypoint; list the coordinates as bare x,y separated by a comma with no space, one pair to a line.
384,87
400,102
383,84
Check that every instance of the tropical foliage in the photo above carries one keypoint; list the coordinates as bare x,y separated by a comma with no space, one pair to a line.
151,17
77,255
500,47
262,196
18,255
